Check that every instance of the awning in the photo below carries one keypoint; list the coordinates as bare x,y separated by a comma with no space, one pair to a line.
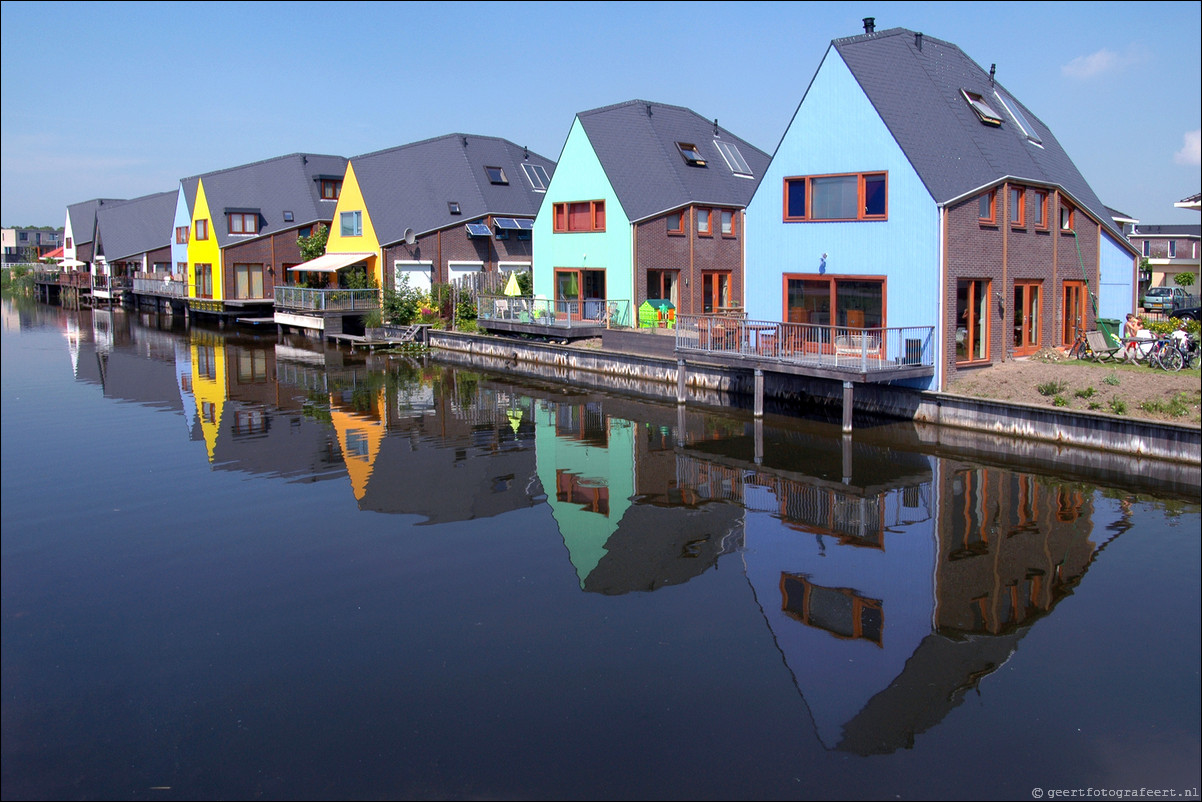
331,262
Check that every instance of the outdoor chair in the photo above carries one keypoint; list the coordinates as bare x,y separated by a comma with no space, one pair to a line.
1099,349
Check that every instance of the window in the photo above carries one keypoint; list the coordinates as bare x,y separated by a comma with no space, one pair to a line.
982,108
244,223
734,159
821,300
331,188
662,284
496,175
204,281
71,244
1066,217
1172,249
852,196
715,292
691,154
676,223
539,180
1018,211
288,217
248,281
972,320
1147,247
453,207
987,205
728,223
704,223
580,216
1019,120
23,236
351,224
202,229
1041,210
181,235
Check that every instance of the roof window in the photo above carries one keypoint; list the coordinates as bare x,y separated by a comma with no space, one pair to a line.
453,207
1019,120
538,176
691,154
981,106
496,175
734,159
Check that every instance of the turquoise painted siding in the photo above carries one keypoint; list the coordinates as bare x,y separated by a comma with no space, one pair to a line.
1117,291
836,130
183,217
580,177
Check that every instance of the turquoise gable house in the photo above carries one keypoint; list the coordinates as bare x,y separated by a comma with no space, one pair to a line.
646,202
911,189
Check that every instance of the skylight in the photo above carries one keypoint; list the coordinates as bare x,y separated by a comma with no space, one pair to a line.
538,176
734,159
496,175
453,207
691,154
1019,120
982,108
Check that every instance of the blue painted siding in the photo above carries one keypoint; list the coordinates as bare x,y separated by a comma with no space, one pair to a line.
837,130
1117,291
579,176
183,217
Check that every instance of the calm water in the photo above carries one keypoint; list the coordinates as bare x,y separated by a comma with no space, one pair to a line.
242,568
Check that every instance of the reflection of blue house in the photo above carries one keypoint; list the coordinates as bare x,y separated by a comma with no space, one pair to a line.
912,189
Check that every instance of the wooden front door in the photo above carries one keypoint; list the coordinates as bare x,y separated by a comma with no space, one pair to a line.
1028,317
1074,312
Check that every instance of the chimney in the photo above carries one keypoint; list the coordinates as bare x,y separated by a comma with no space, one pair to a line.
869,24
992,70
918,41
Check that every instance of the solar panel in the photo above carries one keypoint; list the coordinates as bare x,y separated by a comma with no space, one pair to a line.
477,230
505,223
525,224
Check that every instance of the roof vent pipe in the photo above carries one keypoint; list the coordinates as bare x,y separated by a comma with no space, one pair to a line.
918,41
869,24
716,127
992,70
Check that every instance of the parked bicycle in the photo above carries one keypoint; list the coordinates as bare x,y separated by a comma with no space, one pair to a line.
1165,355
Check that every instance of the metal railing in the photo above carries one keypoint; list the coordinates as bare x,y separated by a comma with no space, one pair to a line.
836,347
172,288
611,313
326,300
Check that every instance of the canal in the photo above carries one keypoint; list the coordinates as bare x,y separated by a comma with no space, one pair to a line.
240,566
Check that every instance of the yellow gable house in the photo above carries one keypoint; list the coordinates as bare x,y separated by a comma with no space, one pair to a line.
353,238
204,254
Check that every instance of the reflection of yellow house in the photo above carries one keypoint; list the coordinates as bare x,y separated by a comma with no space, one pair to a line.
590,485
209,388
359,437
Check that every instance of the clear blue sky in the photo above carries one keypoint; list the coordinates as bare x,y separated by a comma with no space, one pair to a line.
120,100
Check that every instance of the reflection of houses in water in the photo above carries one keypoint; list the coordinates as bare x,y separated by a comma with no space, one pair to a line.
889,602
434,443
128,363
628,521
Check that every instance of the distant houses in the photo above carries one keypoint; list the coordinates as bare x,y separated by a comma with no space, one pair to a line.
911,189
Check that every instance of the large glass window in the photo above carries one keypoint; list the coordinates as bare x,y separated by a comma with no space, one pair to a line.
972,320
579,216
854,196
203,283
351,224
1027,317
248,281
715,290
835,301
662,284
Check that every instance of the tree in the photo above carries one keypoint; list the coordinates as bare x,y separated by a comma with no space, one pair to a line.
314,245
1185,279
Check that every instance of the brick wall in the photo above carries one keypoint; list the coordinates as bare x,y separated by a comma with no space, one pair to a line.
691,254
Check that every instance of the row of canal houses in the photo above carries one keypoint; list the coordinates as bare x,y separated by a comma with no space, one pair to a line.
897,578
910,189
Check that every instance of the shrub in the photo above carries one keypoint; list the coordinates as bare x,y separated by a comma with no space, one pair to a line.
403,305
1088,392
1118,406
1060,401
1051,388
1112,380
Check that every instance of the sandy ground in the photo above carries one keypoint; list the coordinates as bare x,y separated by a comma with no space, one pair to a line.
1137,390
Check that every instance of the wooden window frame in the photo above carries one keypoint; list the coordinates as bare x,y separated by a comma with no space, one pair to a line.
1018,207
202,230
734,225
1041,209
181,235
861,196
1067,214
708,215
679,223
331,189
243,218
991,220
562,217
973,324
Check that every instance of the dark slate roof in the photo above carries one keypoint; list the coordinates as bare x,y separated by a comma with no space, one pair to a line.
1143,230
410,186
273,186
134,227
917,94
636,142
83,218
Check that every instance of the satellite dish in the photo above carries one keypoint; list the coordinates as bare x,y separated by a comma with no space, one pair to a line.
410,237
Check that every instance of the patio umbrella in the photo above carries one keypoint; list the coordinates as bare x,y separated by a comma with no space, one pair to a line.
511,287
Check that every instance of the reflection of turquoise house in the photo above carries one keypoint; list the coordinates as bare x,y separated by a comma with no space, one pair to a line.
646,202
910,189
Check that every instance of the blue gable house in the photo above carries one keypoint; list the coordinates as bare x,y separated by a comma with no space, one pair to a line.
911,189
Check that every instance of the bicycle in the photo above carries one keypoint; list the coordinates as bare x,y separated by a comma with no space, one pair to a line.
1080,348
1165,355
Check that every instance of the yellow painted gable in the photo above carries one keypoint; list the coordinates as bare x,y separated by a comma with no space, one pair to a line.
203,252
350,199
